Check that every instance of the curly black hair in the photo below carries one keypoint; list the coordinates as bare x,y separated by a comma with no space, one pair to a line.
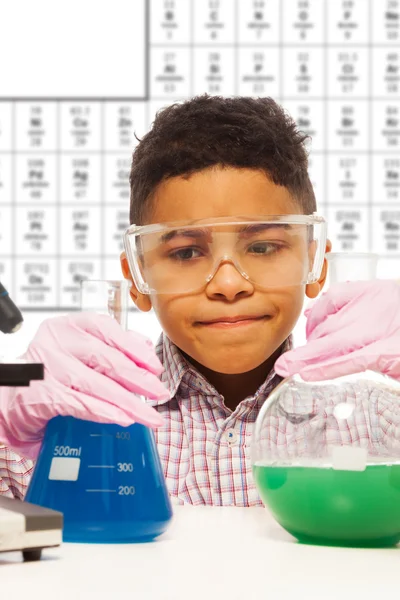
204,131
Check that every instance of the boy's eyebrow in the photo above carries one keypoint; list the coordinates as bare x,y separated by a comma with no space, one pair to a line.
190,233
251,229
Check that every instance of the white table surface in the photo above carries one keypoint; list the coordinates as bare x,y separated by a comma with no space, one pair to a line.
208,552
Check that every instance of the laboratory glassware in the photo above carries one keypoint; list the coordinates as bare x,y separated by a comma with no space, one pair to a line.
326,459
106,479
351,266
326,455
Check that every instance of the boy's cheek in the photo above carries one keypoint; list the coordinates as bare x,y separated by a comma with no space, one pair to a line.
173,313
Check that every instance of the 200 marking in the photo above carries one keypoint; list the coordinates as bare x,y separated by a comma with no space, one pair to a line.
126,490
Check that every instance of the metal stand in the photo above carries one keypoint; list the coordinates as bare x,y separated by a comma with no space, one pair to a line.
24,526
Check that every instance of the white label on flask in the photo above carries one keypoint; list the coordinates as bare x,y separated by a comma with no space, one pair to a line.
349,458
64,468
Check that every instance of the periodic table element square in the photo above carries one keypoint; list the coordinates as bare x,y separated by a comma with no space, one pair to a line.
117,221
386,125
386,22
36,283
117,169
214,71
386,72
36,125
36,231
348,179
348,21
35,179
6,231
6,119
80,126
170,73
81,231
303,21
259,22
72,273
112,268
213,22
302,72
348,228
386,230
258,71
348,125
386,179
316,172
81,179
5,179
124,122
348,72
170,22
310,119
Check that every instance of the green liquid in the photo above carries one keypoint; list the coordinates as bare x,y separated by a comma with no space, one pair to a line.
324,506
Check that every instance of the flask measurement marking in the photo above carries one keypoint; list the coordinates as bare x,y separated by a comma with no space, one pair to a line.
67,451
107,491
101,466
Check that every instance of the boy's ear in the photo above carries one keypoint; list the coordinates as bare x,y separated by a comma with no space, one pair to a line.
313,289
142,301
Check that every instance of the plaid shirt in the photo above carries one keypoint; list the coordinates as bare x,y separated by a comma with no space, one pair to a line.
15,474
204,446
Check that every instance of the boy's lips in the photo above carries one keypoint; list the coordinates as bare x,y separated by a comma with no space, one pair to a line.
237,321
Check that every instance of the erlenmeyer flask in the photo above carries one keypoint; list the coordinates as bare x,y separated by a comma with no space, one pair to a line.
106,479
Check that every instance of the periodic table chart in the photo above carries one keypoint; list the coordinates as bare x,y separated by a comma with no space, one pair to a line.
80,81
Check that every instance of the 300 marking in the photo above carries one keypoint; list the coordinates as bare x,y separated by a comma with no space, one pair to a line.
125,467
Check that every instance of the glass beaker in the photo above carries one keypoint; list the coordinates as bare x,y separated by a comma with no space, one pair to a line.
351,266
106,479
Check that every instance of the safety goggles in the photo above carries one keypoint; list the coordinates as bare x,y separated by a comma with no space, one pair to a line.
183,257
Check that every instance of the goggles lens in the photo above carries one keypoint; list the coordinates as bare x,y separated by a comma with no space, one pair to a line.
185,258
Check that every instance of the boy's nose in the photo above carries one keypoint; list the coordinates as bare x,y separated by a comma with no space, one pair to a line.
227,283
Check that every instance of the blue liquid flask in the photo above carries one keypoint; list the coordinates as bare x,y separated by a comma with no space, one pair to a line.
106,479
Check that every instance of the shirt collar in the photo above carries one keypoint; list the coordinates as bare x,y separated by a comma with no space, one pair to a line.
178,369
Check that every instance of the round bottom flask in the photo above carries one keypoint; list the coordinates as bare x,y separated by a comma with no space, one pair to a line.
326,459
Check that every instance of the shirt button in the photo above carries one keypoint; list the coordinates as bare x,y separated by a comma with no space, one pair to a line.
231,436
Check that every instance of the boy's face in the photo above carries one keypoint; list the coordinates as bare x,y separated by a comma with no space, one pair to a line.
267,316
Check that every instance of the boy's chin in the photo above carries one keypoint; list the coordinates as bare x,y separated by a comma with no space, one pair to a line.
233,367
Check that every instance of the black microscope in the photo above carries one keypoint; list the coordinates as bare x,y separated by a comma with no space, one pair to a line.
23,526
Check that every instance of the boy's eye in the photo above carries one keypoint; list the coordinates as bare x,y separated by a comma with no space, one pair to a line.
187,253
263,248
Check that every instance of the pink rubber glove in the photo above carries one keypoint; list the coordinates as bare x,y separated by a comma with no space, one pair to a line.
353,327
93,369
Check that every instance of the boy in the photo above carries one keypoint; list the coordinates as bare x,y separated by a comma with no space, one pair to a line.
212,158
227,284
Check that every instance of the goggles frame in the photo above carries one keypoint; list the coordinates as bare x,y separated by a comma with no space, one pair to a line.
137,230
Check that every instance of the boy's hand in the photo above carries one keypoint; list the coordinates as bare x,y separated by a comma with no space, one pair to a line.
93,369
353,327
